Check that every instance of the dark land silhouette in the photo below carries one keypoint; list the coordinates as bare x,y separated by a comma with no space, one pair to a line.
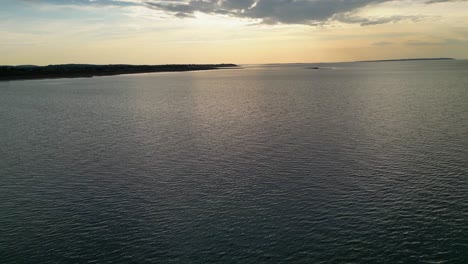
410,59
88,70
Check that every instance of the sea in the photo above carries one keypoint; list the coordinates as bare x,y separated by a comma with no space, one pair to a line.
281,163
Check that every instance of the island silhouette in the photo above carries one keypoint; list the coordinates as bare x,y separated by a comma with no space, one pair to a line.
409,59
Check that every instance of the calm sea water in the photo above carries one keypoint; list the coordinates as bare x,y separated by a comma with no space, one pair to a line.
363,162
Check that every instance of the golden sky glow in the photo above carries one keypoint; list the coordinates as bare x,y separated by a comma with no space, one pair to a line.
54,32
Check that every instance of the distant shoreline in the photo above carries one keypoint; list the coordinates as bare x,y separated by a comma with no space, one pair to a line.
31,72
414,59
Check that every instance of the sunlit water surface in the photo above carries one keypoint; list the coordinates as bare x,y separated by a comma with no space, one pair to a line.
360,162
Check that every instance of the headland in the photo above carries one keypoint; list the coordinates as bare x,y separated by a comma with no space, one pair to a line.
24,72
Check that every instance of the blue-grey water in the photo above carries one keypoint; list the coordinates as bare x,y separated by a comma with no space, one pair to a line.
352,163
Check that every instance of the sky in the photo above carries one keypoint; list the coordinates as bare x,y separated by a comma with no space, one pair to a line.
43,32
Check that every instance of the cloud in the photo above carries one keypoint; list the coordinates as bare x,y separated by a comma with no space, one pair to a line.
382,43
122,3
308,12
369,21
441,42
268,11
444,1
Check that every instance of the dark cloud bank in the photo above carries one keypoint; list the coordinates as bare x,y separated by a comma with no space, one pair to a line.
310,12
